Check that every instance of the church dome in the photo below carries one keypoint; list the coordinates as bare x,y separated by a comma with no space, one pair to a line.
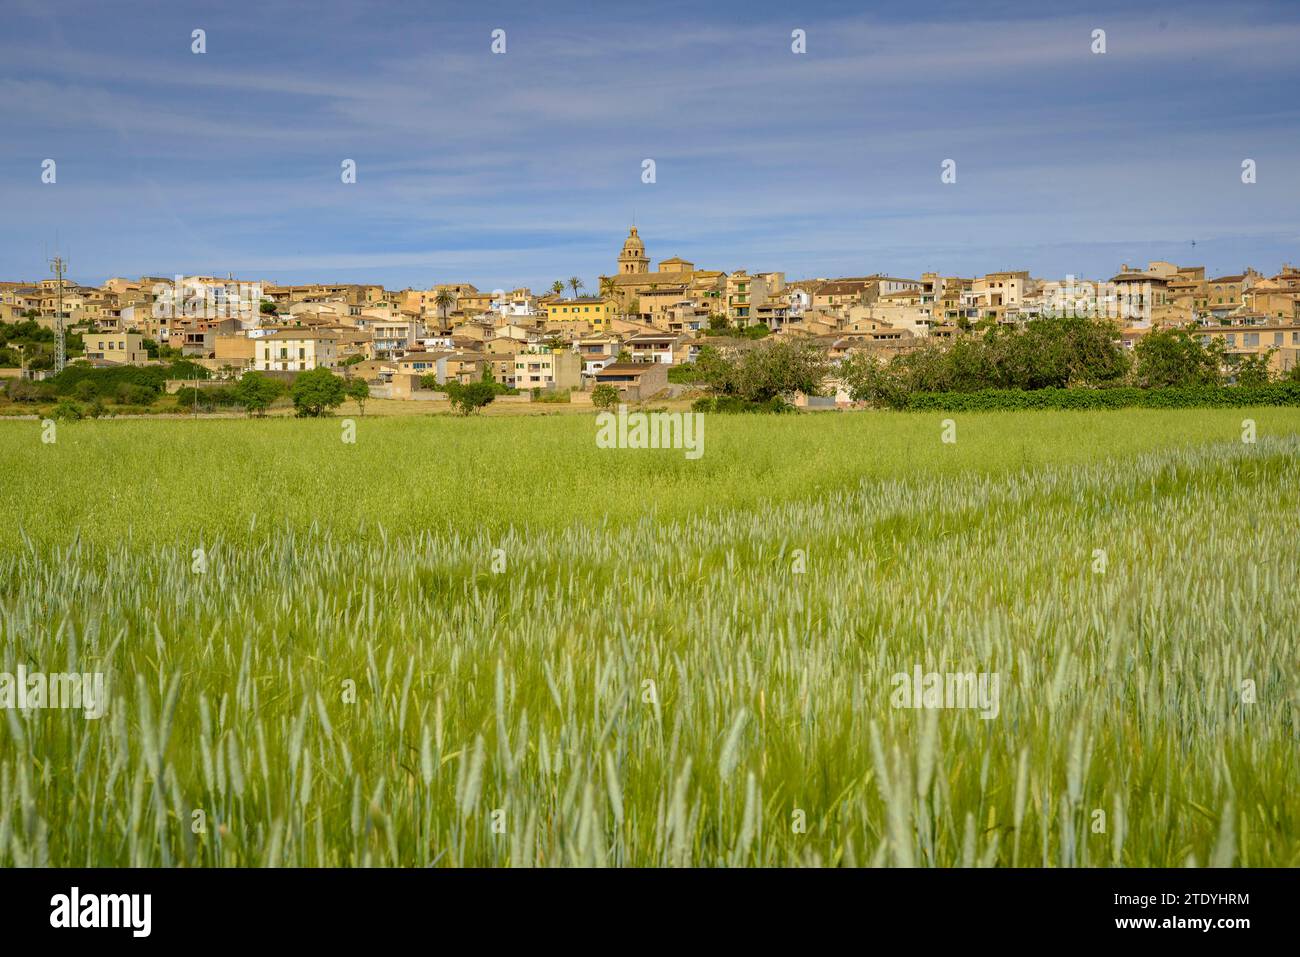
633,245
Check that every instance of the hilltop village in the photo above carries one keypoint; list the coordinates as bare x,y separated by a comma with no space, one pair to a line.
627,331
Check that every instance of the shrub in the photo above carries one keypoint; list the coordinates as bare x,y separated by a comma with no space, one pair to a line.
205,400
129,393
19,390
68,410
735,404
604,396
1282,393
107,382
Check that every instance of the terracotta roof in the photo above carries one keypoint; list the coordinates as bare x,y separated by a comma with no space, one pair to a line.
628,368
1138,277
300,334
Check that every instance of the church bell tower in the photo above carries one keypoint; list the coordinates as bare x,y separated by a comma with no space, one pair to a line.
632,259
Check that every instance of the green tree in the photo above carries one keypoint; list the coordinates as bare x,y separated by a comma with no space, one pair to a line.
256,391
317,391
358,391
715,371
777,369
1051,352
557,287
575,284
772,369
187,369
604,396
1253,370
267,307
471,397
868,379
1171,357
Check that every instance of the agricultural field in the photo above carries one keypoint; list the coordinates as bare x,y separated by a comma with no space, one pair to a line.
486,641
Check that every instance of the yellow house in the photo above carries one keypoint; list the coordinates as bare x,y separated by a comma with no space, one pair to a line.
594,310
120,347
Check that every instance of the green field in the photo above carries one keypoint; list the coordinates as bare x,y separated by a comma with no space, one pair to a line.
682,662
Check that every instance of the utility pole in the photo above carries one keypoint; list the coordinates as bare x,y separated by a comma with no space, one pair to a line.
57,266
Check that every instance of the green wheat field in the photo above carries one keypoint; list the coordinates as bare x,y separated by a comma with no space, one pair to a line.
488,642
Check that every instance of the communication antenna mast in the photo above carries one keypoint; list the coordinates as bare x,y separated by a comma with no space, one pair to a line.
58,267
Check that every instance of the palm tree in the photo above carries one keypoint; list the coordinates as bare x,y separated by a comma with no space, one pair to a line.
607,287
444,300
557,287
575,284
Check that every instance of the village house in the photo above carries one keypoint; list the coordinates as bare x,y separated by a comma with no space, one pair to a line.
1251,335
126,348
296,350
665,347
635,381
595,311
548,369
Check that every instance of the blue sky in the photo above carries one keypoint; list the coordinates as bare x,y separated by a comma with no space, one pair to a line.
526,167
